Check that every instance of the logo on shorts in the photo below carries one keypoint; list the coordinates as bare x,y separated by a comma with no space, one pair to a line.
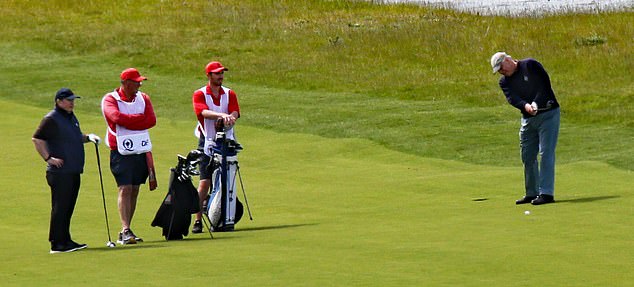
128,145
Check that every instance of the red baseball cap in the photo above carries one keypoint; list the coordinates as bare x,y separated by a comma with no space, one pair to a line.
215,67
132,74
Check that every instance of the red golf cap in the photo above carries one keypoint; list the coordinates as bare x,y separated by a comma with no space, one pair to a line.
132,74
215,67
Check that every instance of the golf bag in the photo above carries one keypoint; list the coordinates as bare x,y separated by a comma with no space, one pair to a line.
223,208
174,214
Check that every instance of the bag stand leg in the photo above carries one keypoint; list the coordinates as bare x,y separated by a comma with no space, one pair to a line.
207,223
246,201
169,230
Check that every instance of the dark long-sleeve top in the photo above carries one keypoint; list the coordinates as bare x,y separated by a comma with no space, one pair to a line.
530,83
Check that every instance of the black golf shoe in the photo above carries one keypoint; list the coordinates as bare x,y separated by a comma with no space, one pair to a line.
66,247
198,227
61,248
78,246
543,199
525,199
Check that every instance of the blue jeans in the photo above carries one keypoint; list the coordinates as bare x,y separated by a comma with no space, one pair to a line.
538,135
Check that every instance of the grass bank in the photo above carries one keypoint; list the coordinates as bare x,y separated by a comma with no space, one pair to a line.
411,78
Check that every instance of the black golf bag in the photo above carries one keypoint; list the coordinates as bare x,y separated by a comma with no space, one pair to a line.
223,208
174,214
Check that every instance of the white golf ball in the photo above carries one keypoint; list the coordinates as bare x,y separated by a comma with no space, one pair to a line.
110,244
527,212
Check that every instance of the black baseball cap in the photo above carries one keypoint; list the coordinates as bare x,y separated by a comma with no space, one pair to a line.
66,93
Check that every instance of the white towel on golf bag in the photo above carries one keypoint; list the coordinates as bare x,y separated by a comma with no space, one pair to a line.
214,212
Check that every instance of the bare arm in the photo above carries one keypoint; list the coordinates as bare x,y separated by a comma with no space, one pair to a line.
229,119
42,148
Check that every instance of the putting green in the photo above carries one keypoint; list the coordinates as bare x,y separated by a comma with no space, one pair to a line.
327,212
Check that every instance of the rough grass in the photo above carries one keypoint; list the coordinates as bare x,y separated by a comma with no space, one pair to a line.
412,78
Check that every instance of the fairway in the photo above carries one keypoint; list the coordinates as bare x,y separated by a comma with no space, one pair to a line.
327,212
378,147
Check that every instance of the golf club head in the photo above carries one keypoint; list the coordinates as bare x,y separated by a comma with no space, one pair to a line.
190,162
194,155
234,145
110,244
193,170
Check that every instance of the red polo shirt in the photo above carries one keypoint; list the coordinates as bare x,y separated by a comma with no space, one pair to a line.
200,104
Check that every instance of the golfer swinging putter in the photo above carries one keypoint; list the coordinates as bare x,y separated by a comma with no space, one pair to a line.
526,86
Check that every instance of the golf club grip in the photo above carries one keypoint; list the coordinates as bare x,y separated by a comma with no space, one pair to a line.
220,124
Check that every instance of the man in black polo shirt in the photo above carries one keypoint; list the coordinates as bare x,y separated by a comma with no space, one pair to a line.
59,141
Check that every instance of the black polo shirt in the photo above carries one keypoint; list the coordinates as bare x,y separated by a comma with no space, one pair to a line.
60,130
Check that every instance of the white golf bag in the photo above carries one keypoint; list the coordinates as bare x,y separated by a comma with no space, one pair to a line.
224,210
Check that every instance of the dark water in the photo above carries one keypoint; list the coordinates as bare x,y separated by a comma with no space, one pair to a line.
526,7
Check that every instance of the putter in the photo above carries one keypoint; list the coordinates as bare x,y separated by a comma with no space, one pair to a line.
103,198
548,106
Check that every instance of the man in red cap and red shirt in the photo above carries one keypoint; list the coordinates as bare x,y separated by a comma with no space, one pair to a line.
212,102
129,114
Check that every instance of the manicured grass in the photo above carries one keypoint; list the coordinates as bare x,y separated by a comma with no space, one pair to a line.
379,149
342,212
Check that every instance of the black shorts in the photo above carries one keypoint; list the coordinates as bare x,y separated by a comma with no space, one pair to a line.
204,160
128,169
205,173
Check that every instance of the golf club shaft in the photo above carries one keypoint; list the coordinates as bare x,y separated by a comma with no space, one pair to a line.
103,196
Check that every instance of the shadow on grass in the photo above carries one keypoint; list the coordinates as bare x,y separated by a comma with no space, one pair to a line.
121,248
273,227
207,237
148,244
588,199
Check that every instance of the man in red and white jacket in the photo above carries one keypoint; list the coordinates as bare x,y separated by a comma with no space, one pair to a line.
129,115
212,102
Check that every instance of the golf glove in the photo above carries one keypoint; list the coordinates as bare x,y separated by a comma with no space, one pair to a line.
94,138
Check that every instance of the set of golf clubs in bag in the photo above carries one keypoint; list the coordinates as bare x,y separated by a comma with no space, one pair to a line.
222,209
